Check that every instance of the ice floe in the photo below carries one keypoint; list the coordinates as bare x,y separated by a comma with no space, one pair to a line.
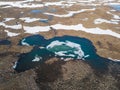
24,43
54,43
37,58
72,49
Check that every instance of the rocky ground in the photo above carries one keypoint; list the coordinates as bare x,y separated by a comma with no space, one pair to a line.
60,75
17,21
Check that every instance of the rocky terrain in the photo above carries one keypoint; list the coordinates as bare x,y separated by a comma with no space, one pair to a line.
95,20
60,75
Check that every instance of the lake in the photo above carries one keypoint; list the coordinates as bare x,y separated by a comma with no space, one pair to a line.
64,48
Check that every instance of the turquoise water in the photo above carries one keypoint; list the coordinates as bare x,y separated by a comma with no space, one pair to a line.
5,42
64,47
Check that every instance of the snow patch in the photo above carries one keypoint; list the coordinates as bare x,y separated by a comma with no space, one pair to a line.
100,20
15,65
36,29
88,30
8,19
114,16
115,60
11,34
70,13
78,27
29,20
11,26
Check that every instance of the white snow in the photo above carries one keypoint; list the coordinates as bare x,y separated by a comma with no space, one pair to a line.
29,20
20,4
36,29
11,26
65,3
88,30
112,3
100,20
11,34
78,27
15,65
114,15
8,19
54,3
27,4
115,60
70,13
